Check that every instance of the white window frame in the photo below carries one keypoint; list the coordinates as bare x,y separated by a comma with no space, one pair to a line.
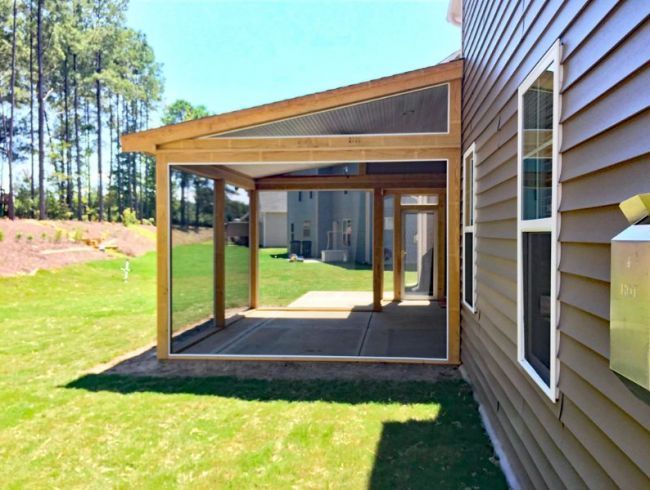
551,224
467,227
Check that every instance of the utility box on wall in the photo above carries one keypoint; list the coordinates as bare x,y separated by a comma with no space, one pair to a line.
630,294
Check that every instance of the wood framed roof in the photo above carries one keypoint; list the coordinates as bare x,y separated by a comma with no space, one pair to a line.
150,140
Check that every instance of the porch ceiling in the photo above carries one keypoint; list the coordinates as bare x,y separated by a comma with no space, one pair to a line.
418,111
259,170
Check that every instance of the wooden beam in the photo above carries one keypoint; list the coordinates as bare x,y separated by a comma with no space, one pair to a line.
422,191
420,207
352,94
398,246
340,142
325,182
253,245
162,259
219,253
335,155
378,250
219,172
455,108
453,259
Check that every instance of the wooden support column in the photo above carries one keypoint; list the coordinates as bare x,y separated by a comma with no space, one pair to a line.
453,258
378,249
442,234
162,258
253,246
219,253
398,246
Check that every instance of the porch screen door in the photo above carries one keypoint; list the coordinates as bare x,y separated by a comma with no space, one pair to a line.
419,254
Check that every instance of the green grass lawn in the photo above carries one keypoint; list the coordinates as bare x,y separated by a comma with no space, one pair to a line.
61,428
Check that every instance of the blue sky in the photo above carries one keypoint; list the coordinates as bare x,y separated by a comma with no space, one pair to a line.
233,54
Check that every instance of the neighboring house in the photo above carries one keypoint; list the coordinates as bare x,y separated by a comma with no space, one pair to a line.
335,222
555,115
330,221
336,226
273,219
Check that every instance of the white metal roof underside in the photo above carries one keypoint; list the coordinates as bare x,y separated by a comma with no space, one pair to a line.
415,112
259,170
419,111
256,171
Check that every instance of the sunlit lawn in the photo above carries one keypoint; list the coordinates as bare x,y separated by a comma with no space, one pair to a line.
281,281
60,428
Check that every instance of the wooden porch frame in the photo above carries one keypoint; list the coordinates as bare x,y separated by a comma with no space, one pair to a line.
448,214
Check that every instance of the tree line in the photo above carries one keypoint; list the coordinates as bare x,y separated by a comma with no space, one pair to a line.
73,77
192,196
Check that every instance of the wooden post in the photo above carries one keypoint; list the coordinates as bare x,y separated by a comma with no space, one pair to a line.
378,249
162,258
398,256
452,211
442,220
219,253
453,258
253,245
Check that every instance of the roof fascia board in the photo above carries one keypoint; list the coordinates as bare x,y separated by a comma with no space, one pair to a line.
147,141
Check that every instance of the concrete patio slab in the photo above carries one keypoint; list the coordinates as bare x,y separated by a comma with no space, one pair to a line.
408,329
414,329
333,299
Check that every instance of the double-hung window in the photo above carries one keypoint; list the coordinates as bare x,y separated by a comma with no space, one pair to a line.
537,222
469,241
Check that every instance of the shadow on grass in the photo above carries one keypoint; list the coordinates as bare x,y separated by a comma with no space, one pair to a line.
448,393
439,453
450,450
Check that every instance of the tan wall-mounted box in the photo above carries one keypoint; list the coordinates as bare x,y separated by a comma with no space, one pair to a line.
630,294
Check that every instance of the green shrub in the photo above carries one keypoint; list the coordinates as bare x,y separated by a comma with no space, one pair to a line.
129,217
44,236
2,235
58,235
30,237
78,235
19,235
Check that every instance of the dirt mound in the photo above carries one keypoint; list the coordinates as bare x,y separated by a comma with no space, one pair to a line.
29,245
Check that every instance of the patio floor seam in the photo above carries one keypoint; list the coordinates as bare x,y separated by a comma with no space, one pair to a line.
365,335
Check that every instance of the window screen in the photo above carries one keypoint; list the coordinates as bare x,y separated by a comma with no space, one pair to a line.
537,300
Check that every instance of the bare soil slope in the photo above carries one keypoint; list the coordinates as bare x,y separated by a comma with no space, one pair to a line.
29,245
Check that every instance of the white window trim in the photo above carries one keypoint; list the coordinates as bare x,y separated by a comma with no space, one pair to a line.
471,151
552,224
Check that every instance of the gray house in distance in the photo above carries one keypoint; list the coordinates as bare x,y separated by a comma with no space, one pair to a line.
273,219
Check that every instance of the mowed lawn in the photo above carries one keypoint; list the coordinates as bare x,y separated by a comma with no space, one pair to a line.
281,281
61,427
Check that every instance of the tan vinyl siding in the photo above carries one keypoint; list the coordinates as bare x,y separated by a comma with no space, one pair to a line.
597,434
